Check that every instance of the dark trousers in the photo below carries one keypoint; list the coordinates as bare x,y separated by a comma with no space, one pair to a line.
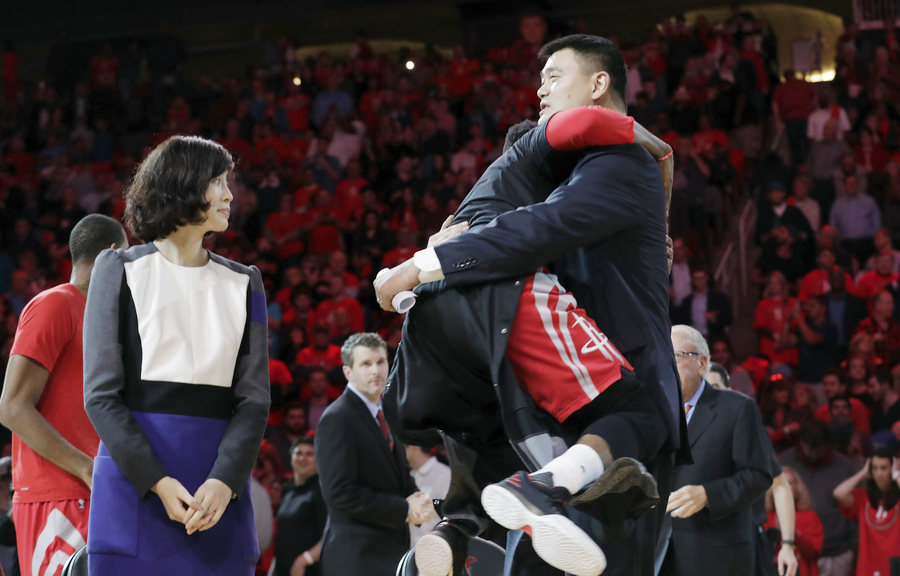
796,135
624,416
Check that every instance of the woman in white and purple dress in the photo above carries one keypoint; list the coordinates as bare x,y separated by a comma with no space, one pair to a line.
176,379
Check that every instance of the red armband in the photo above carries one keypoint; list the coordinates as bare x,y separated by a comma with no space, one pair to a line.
588,126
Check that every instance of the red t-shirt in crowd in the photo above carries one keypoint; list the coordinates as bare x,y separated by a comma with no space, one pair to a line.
103,72
808,536
795,99
398,256
858,413
49,333
279,375
879,537
704,141
771,315
352,307
816,283
297,108
872,283
328,358
348,197
281,224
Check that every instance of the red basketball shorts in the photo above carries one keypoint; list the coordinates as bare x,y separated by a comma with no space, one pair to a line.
559,356
48,533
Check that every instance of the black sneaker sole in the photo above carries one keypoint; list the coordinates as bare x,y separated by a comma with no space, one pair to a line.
625,487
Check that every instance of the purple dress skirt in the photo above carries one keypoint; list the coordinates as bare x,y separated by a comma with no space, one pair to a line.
132,536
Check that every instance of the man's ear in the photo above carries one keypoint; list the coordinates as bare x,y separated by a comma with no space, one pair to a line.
601,85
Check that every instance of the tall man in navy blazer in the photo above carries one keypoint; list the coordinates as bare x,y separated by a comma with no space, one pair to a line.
362,466
711,530
604,227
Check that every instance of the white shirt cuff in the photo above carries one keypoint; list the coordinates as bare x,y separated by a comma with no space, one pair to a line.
429,266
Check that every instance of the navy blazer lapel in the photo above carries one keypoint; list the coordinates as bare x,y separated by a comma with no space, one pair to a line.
374,428
704,414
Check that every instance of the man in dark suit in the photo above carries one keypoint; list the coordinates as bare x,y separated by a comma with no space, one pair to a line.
365,478
711,530
707,311
605,226
845,310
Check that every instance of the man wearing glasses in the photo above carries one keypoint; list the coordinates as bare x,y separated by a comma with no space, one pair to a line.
711,505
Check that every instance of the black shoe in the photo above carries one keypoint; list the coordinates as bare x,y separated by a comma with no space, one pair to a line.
530,502
623,491
443,551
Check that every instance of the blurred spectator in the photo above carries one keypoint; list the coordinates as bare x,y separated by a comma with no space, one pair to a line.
801,199
716,376
886,410
827,110
432,478
818,282
680,275
824,155
857,218
822,470
779,214
844,436
875,510
808,534
302,515
835,386
321,353
883,242
881,325
849,167
333,101
738,377
338,300
774,405
707,311
816,339
792,104
858,379
845,310
293,426
772,321
319,397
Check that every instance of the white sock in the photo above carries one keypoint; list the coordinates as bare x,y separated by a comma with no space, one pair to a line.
578,467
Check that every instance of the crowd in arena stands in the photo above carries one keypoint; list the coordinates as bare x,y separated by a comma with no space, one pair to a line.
346,165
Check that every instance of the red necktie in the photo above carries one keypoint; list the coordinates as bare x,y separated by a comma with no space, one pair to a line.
384,429
687,408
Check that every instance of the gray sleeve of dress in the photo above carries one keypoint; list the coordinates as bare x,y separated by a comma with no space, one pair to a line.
104,378
243,436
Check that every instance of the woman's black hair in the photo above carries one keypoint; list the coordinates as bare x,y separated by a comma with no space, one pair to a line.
876,497
168,190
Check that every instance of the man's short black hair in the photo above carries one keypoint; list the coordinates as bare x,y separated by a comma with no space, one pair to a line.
814,433
516,132
307,440
595,54
838,398
168,190
93,234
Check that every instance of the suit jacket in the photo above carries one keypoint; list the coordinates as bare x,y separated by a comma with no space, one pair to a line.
605,228
365,486
855,311
732,461
715,302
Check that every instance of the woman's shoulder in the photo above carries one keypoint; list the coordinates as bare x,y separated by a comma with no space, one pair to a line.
231,264
237,267
121,256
